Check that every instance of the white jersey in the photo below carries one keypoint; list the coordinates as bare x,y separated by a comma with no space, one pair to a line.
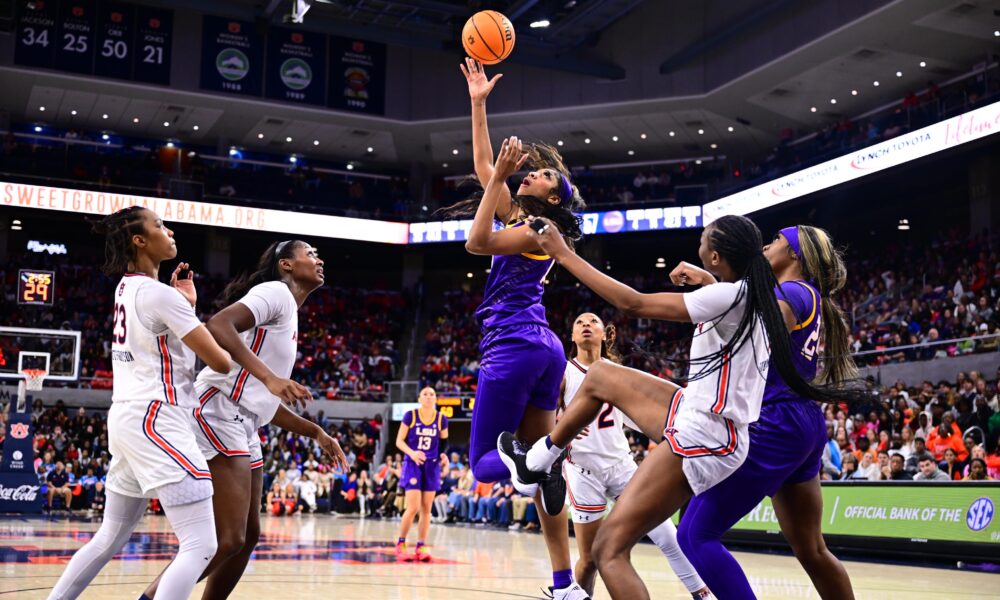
735,390
605,445
148,358
274,338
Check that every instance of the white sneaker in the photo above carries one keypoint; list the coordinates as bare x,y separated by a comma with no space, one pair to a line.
573,592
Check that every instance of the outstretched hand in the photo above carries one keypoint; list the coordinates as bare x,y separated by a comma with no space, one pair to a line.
184,285
479,86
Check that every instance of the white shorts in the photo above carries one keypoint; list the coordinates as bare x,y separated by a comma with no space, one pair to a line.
225,428
712,446
152,444
589,490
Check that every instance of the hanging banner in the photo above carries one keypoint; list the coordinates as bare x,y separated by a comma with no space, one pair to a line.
357,75
232,56
114,40
36,41
296,66
75,44
154,34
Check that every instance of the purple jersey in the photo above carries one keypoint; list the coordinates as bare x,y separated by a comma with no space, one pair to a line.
422,436
513,294
805,303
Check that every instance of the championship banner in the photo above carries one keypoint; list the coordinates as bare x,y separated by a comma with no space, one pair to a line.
908,147
296,66
75,40
957,512
19,487
357,75
232,56
594,223
204,213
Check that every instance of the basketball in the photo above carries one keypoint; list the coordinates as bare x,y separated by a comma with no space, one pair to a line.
488,37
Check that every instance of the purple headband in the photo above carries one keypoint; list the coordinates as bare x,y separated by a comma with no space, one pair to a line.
565,190
792,235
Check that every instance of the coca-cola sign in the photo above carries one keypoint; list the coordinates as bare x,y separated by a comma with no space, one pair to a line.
21,493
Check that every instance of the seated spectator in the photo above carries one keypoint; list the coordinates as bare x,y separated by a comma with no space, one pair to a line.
99,499
951,466
929,471
896,470
977,471
919,453
58,481
945,436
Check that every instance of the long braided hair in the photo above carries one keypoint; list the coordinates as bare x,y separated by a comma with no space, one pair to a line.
737,239
118,229
564,214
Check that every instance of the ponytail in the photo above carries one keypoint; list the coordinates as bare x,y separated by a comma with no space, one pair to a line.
267,269
824,265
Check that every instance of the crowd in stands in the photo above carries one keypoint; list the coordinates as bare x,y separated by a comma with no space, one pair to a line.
944,431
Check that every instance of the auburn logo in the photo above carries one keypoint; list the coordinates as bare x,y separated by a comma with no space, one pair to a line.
19,431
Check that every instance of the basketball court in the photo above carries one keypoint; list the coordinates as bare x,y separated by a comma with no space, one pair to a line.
353,559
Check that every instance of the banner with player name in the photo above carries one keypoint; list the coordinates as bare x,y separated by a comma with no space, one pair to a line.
204,213
20,491
232,56
956,512
296,66
908,147
594,223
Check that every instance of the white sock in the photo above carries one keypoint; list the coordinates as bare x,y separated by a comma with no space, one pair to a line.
194,525
121,515
541,456
665,538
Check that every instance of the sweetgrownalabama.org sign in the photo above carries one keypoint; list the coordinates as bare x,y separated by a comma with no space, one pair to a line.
203,213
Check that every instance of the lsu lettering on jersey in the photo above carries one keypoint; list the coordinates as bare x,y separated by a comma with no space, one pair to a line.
148,358
605,445
274,338
735,390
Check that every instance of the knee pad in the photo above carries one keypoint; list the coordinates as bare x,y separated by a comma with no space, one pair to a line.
185,491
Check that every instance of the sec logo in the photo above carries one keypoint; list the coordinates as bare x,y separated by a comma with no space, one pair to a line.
980,514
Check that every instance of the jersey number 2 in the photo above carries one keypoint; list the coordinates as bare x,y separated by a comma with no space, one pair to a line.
606,420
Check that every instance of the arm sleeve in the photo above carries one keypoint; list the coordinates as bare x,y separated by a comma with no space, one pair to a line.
264,303
711,301
167,306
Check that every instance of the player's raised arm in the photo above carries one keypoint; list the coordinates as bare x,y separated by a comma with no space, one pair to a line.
482,150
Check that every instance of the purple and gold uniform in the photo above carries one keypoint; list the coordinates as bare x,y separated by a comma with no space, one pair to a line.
786,447
425,437
522,362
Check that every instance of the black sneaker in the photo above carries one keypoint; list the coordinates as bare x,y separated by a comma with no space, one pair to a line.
514,454
554,488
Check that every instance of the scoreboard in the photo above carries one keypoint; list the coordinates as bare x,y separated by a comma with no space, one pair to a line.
36,287
91,37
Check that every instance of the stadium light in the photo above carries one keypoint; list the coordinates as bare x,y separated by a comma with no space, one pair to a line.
315,142
904,225
73,112
105,137
195,128
38,128
540,24
559,143
614,138
672,134
170,144
288,139
586,140
135,119
293,159
643,135
260,136
41,108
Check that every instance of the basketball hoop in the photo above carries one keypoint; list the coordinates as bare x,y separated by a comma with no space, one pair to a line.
33,379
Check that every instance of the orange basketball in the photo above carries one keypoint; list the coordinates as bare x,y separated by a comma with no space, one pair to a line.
488,37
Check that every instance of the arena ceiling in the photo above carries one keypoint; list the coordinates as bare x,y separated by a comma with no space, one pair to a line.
949,37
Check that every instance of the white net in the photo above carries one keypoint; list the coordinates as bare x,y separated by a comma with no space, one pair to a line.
33,379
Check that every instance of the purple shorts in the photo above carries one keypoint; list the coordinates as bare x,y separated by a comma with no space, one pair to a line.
786,444
521,365
426,477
